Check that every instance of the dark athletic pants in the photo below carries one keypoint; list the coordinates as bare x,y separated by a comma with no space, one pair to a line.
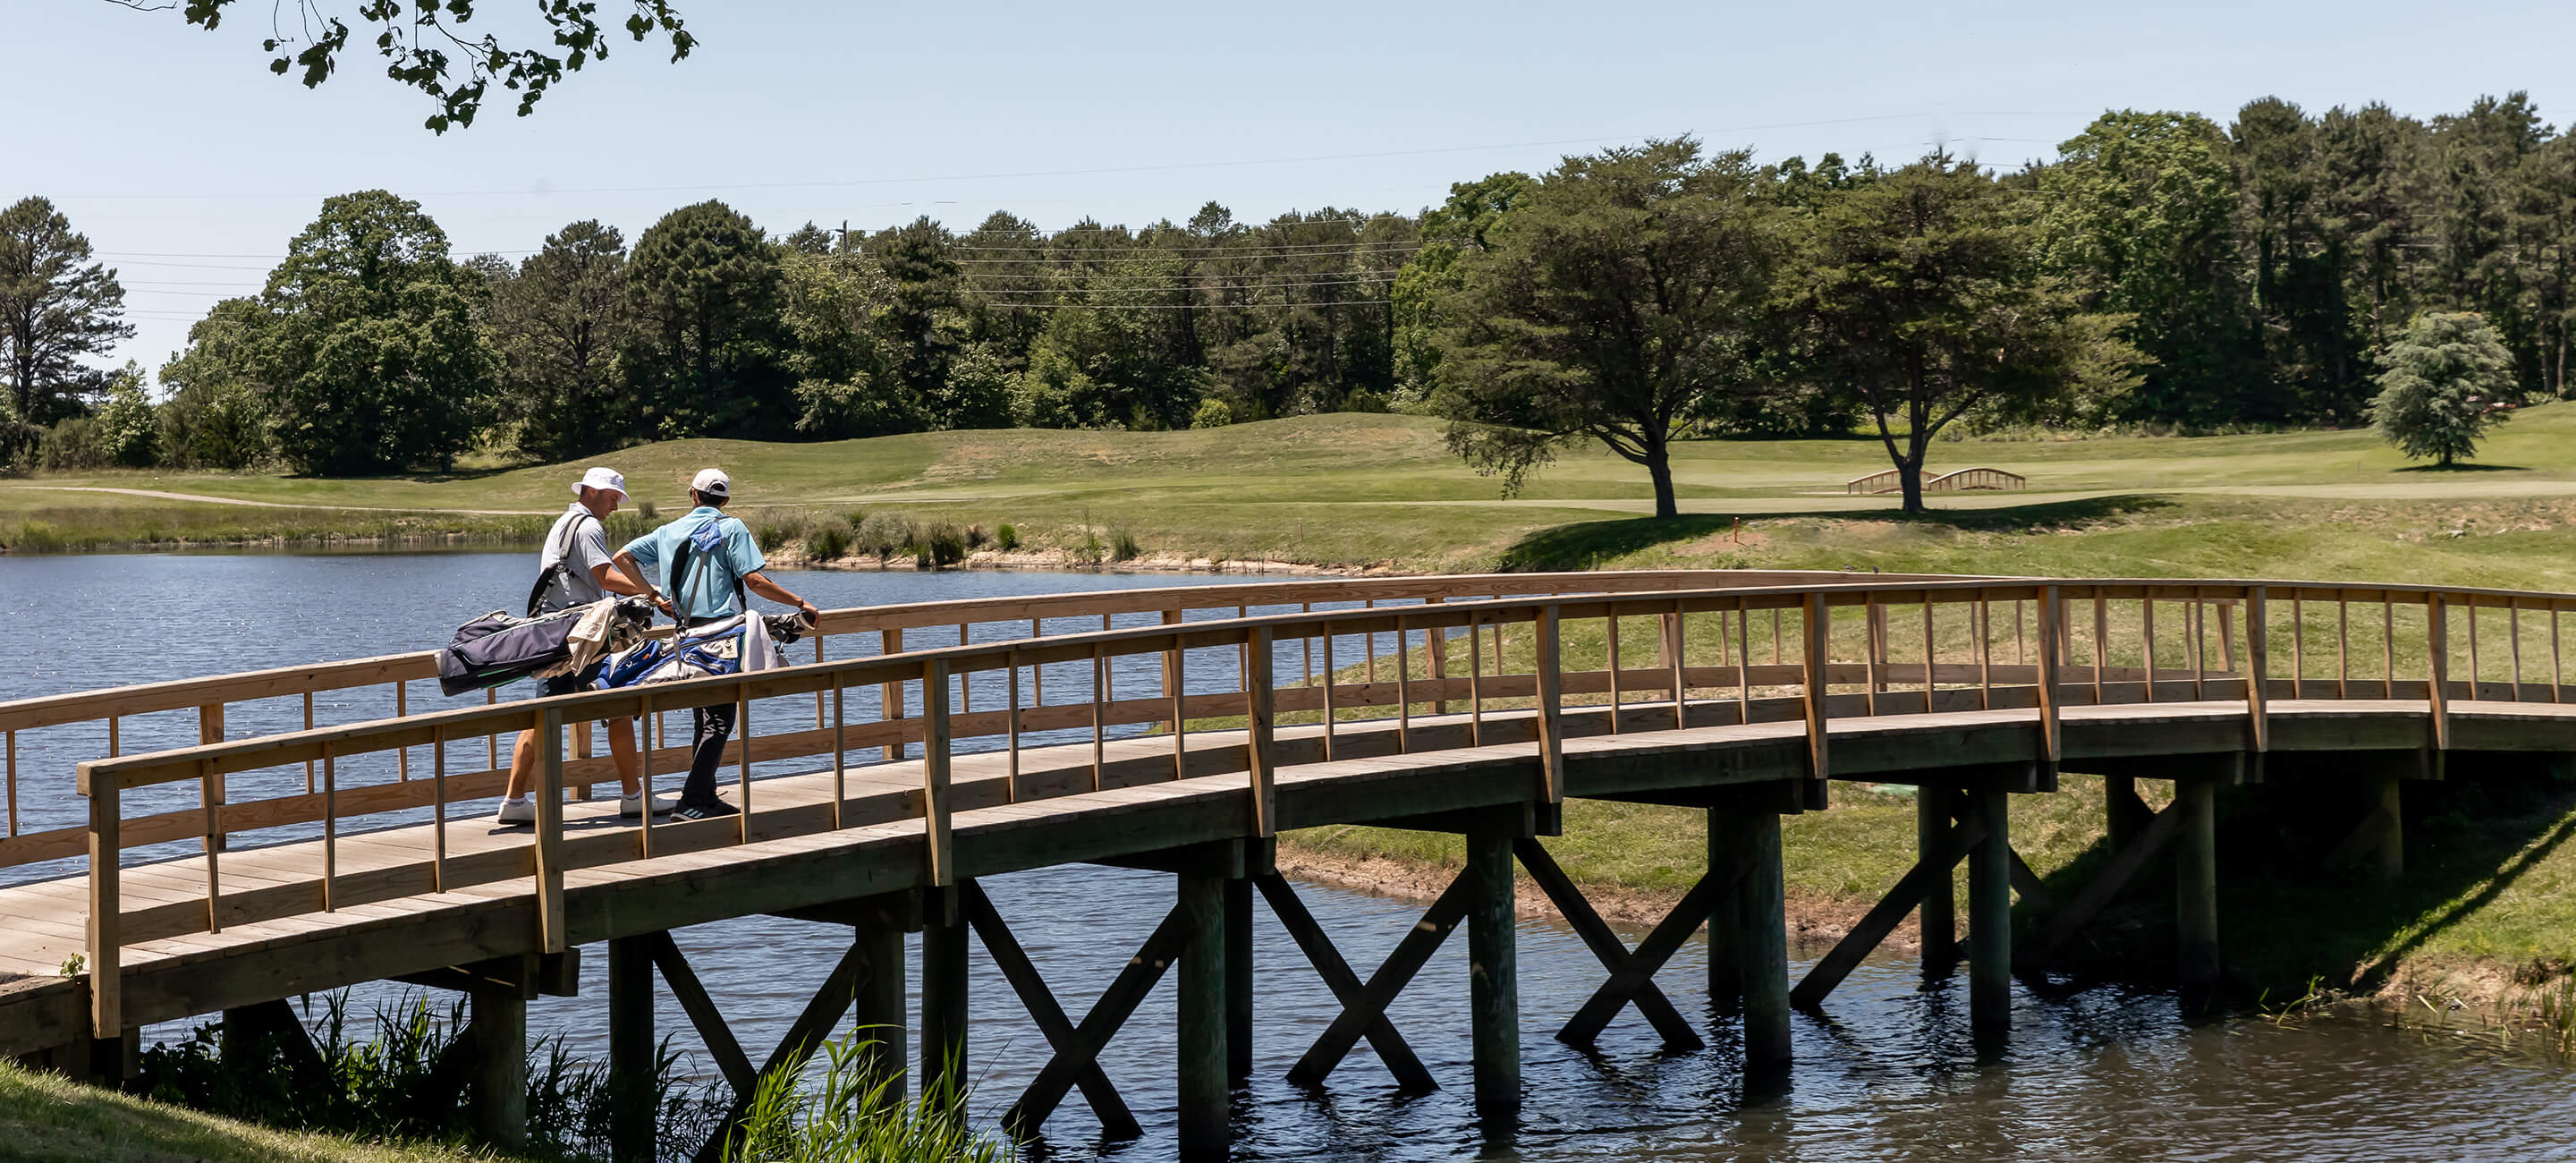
712,726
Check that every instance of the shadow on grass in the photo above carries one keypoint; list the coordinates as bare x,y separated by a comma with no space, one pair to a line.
1582,544
2287,917
2465,468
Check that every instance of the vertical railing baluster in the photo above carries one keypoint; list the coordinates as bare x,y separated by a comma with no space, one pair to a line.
1551,700
742,759
1099,716
965,682
438,807
1873,643
2298,645
1371,648
1435,650
2556,692
1611,625
2475,673
645,718
2147,637
1176,686
1261,756
2513,627
13,782
2437,651
2258,652
1816,653
2021,653
1403,689
1744,660
308,725
890,695
1676,636
2101,648
1305,647
840,756
1775,636
1329,737
214,845
1037,674
491,739
818,704
2195,615
1985,620
552,931
402,710
938,841
1931,657
1011,724
2343,645
1475,683
330,832
2050,619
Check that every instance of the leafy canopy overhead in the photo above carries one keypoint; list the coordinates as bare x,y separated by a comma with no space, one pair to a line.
425,46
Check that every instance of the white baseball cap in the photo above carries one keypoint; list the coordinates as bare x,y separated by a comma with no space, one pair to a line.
606,480
713,482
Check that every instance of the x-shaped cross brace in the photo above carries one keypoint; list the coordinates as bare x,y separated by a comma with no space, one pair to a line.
822,1013
1077,1047
1364,1006
1632,972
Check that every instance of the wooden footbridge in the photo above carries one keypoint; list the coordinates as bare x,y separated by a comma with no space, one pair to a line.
223,876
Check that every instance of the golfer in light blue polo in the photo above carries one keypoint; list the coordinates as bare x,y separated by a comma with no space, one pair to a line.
717,560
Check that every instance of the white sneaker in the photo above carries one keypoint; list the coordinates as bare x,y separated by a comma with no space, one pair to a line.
518,812
632,807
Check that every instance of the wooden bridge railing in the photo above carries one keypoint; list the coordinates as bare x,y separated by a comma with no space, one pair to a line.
1827,652
102,717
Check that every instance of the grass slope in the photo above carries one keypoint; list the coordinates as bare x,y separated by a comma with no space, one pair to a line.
48,1119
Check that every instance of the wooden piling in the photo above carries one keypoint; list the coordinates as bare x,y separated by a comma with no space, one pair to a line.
1939,913
2196,883
877,1011
1204,1017
2125,816
1758,942
1990,916
2388,857
944,973
1238,980
1493,990
499,1027
631,1050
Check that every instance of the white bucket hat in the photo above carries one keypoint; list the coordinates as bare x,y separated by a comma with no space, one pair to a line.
606,480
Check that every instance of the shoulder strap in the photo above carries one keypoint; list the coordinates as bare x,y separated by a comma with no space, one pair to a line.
680,572
558,571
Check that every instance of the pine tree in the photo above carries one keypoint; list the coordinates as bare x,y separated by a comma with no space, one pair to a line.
2447,380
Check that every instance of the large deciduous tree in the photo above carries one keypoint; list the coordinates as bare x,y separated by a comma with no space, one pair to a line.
1921,294
1620,291
57,309
557,324
707,354
426,45
2447,379
370,353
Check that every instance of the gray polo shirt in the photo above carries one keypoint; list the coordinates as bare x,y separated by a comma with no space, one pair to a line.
579,541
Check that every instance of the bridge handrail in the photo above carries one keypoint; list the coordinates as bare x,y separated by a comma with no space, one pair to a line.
2045,674
211,696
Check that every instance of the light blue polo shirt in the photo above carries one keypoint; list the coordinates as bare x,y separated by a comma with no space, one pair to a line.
708,590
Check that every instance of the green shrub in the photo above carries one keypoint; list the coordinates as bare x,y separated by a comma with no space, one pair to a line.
882,535
1212,413
650,512
856,1115
827,543
1123,547
1006,538
941,545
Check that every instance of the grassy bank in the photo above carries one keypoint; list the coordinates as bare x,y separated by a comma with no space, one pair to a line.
2482,910
49,1119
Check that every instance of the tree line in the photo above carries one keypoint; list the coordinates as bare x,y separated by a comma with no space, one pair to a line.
2164,271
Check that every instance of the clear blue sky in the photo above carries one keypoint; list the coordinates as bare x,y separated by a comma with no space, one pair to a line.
168,145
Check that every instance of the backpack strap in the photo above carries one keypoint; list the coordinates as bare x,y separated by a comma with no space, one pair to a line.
556,571
681,560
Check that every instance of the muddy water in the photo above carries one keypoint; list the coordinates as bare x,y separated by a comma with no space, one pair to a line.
1888,1072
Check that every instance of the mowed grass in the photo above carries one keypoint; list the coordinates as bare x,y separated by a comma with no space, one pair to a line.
45,1118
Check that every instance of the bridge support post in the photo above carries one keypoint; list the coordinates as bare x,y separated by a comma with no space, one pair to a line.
1934,806
499,1029
2196,883
1990,916
2388,857
1205,1013
2125,816
879,1006
1238,979
1755,938
1493,988
631,1049
943,996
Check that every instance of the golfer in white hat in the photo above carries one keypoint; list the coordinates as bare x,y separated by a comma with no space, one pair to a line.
575,560
722,563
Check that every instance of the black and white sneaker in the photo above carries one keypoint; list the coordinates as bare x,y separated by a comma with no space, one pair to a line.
711,810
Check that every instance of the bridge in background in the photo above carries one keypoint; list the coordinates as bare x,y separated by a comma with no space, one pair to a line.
1964,480
226,875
